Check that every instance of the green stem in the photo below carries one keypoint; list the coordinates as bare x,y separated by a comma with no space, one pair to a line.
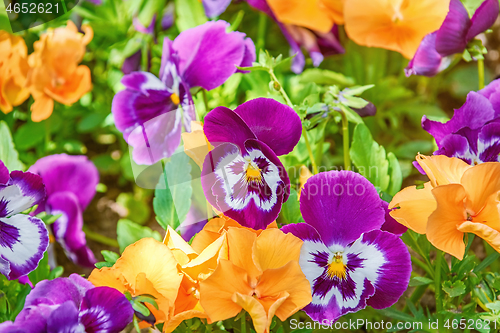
437,280
319,146
47,134
243,323
304,133
480,72
417,248
99,238
205,101
345,140
261,37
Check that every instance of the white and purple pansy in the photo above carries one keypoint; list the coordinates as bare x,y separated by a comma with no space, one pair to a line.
348,260
71,304
23,238
243,176
71,183
435,51
151,112
473,133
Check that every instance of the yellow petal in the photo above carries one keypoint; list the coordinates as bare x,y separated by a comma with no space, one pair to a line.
217,290
442,229
174,241
306,14
108,277
195,142
490,235
172,324
240,242
442,170
481,182
415,207
255,310
273,249
202,266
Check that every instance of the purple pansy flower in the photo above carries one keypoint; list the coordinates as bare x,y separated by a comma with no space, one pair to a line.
23,238
348,260
147,112
317,44
71,304
473,133
214,8
457,30
71,184
243,177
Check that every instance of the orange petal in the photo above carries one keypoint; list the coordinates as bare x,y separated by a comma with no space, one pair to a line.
290,279
442,170
490,213
415,207
172,324
142,285
107,277
240,242
195,142
490,235
203,239
274,249
256,310
450,213
335,9
306,14
76,84
174,241
202,266
217,290
41,108
481,182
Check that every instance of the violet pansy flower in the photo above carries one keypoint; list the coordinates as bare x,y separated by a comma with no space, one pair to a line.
71,304
473,133
348,260
243,177
151,111
71,184
214,8
23,238
457,30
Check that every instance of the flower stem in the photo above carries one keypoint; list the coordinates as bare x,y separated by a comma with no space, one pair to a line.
304,132
261,37
243,323
345,140
437,280
480,72
99,238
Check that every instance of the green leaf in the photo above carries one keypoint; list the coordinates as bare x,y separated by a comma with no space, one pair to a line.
454,289
487,261
129,232
356,91
290,211
419,281
102,264
141,308
495,306
42,272
354,102
189,14
173,192
110,256
325,77
8,154
137,210
29,135
395,174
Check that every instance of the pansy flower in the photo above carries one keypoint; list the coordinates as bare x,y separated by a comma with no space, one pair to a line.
23,238
393,24
262,277
71,184
242,176
307,24
13,71
214,8
473,133
71,304
348,260
458,199
151,111
54,71
457,30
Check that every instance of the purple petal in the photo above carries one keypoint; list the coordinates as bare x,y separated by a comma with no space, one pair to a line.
25,280
329,43
195,221
390,224
23,240
483,18
132,63
451,36
393,276
23,191
10,327
341,205
167,21
307,39
150,30
252,203
68,228
262,6
426,61
72,173
248,56
476,111
303,231
4,174
64,319
489,143
491,89
30,320
456,145
299,60
214,8
201,49
105,309
266,118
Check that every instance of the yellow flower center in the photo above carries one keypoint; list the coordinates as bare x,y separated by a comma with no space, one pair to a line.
253,173
175,99
337,268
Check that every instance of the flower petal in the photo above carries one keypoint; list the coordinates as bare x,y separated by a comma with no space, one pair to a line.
240,250
302,13
249,55
214,8
450,212
451,36
274,249
489,143
483,18
341,205
23,191
390,224
23,240
105,309
64,319
481,182
277,117
426,61
4,173
68,228
490,235
442,170
255,309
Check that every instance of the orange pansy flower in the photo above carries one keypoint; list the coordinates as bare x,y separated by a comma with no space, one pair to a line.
196,144
55,73
145,267
458,199
318,15
262,277
13,71
398,25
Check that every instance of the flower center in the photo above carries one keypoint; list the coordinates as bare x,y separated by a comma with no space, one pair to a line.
253,173
175,99
337,268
